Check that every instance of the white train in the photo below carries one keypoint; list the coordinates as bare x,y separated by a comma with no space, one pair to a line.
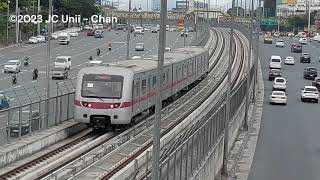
116,94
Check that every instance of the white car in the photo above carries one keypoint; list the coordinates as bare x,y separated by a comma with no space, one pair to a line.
63,62
290,35
309,93
184,33
87,27
33,40
303,41
275,62
278,97
289,60
280,43
55,35
41,38
280,83
316,38
136,57
168,49
100,26
12,66
74,34
276,34
95,63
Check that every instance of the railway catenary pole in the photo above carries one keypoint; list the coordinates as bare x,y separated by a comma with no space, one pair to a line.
158,106
129,31
250,59
228,103
48,65
256,52
8,11
185,24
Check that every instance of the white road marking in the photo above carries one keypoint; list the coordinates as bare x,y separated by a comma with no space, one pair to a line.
2,116
73,77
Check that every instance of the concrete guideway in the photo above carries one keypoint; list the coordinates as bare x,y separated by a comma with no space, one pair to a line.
176,43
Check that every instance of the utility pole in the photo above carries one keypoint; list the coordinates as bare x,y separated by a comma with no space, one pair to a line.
17,22
245,8
228,103
48,64
38,23
157,124
237,8
196,20
245,124
308,18
8,10
129,31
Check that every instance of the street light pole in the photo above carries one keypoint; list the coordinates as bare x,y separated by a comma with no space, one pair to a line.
308,18
38,24
158,106
228,103
129,31
17,22
48,63
8,10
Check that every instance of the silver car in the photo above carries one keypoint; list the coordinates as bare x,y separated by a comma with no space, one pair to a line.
12,66
139,47
59,73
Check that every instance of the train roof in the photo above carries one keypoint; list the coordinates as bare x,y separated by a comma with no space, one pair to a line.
141,65
175,56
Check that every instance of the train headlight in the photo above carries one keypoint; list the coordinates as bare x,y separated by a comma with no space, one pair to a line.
116,105
85,104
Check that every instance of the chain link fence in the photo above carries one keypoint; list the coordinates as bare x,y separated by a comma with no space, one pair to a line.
31,110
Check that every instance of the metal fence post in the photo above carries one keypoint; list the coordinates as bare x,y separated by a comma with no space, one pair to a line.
56,115
30,112
40,100
20,112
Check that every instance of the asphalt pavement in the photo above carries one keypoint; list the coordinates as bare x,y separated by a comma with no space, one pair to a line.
288,146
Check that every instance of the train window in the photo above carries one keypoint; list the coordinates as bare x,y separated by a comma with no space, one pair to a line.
138,87
176,73
154,81
182,70
163,78
167,80
144,86
185,70
149,84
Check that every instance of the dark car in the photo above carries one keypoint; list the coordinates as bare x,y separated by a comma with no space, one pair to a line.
295,47
310,73
29,121
316,83
90,33
4,102
305,57
273,73
59,73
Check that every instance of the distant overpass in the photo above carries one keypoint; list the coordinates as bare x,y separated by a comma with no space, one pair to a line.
156,15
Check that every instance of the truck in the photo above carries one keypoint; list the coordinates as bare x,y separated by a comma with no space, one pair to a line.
267,38
64,38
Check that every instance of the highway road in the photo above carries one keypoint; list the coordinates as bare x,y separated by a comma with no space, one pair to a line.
288,146
80,49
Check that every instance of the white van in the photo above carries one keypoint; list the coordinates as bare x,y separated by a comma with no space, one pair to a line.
64,38
63,61
139,30
275,62
95,63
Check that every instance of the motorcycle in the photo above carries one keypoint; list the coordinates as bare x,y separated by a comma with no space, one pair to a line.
26,62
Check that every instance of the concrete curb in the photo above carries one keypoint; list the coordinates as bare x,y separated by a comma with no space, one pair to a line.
244,148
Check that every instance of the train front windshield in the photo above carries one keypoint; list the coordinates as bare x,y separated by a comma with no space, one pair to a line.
102,86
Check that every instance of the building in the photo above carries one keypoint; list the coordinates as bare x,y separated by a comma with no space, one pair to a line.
155,5
298,7
269,8
182,6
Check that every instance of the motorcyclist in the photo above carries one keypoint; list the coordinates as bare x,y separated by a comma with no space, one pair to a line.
98,52
26,61
35,74
90,58
109,46
14,78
